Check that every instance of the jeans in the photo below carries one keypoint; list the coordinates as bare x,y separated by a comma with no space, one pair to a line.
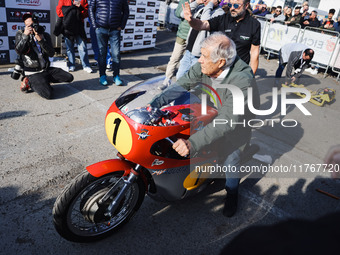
187,61
105,35
40,82
84,56
233,179
95,48
279,70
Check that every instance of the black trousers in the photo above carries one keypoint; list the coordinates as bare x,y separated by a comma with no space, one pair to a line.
40,82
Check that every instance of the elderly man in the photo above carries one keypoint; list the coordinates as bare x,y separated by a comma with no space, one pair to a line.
295,56
243,29
218,66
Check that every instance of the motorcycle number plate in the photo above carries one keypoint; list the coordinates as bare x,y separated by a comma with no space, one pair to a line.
118,132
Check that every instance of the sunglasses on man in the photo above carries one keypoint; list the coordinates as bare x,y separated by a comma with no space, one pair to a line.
236,6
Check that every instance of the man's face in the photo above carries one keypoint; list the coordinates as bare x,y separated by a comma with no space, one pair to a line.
305,57
313,15
28,23
278,11
330,15
207,66
240,11
296,11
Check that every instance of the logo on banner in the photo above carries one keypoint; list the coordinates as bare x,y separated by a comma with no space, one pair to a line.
14,15
149,17
139,30
4,57
128,44
141,3
151,4
3,29
17,27
139,24
11,40
128,31
131,17
29,2
138,37
141,10
146,42
132,2
129,37
148,30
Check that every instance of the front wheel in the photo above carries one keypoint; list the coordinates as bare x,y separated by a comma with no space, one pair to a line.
79,217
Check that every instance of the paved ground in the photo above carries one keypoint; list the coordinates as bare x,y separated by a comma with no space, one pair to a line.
45,143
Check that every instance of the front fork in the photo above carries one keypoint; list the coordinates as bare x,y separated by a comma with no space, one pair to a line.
126,185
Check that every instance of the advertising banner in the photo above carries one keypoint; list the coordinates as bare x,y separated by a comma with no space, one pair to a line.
11,12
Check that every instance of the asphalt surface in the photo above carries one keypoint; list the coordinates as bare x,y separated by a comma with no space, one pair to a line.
46,143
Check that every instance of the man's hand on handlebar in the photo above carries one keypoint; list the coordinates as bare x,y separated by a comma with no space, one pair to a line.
182,147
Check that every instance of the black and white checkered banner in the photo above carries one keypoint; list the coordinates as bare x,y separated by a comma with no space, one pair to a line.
11,12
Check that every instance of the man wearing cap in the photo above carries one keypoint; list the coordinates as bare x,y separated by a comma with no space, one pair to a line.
34,47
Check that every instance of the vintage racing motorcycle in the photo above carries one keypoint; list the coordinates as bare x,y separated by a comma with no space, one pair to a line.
103,198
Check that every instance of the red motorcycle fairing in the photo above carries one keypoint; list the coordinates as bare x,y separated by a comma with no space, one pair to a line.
108,166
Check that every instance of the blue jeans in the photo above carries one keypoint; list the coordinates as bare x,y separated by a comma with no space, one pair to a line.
95,48
84,56
187,61
105,35
279,70
233,179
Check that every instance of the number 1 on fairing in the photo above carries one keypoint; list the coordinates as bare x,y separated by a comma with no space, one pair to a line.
116,123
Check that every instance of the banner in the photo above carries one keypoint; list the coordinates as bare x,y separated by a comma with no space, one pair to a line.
323,44
276,35
11,12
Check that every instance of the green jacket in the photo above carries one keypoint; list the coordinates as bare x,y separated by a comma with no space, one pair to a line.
226,137
184,26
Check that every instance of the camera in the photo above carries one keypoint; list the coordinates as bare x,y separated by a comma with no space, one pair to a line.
18,70
39,29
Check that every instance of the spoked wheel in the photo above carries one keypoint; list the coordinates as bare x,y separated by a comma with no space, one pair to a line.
78,214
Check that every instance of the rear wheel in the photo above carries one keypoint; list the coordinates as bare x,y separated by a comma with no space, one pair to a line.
79,217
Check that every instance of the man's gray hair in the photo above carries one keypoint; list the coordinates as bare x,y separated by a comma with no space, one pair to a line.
221,47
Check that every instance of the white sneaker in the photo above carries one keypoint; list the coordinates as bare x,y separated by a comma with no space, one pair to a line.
88,69
309,70
314,72
71,68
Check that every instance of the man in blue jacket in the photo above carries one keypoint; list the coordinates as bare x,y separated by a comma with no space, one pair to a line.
108,18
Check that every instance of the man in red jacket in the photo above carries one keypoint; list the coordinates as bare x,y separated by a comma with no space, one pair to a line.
73,13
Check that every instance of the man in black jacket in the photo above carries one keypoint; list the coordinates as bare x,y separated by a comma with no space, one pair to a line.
34,49
295,56
108,18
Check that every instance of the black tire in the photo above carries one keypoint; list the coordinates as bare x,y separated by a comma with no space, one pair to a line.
73,225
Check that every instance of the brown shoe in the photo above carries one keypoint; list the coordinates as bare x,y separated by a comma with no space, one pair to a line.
25,87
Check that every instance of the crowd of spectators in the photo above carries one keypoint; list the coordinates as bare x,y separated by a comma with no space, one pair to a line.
299,15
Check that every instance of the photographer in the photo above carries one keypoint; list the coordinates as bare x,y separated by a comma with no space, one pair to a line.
34,47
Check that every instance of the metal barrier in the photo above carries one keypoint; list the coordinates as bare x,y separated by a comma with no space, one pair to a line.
324,42
279,34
